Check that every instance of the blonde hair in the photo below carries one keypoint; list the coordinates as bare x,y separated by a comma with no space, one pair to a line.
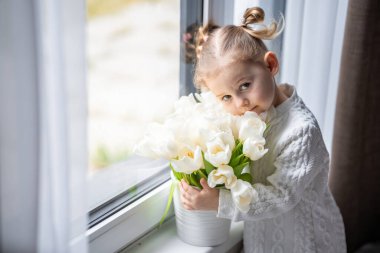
216,46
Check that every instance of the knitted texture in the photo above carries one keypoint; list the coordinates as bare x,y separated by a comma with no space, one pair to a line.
295,211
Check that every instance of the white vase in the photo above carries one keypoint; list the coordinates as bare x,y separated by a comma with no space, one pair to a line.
199,228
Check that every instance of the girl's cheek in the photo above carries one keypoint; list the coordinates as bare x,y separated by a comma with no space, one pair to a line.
231,109
258,95
267,93
226,107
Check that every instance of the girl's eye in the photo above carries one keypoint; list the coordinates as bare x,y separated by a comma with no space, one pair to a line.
244,86
226,98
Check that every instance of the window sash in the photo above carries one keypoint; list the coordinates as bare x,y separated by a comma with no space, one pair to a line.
190,13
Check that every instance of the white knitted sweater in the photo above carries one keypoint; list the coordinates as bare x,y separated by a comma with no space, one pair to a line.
295,211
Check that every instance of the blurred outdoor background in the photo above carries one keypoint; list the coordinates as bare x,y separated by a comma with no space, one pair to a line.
133,72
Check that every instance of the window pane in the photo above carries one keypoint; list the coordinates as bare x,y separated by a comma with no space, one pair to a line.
133,79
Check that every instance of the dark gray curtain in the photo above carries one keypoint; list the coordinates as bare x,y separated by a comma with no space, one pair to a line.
355,164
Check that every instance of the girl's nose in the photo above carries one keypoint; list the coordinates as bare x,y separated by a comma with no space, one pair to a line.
242,102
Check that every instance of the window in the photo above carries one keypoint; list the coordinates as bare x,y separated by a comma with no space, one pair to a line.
133,79
137,67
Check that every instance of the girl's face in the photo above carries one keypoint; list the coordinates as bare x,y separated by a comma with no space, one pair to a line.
244,86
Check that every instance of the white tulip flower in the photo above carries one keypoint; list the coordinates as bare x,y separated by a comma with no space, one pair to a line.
234,124
189,160
158,142
222,175
184,105
254,147
219,148
250,124
243,194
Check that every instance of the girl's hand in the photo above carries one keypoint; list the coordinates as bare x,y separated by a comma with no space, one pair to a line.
194,199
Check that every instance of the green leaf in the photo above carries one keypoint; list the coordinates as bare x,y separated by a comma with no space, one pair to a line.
195,181
246,177
238,169
233,163
241,158
185,177
202,173
238,149
236,161
266,129
236,153
174,172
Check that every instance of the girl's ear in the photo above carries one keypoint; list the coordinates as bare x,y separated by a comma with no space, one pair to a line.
271,61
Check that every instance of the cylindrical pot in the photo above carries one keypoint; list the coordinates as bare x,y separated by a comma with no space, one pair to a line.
199,228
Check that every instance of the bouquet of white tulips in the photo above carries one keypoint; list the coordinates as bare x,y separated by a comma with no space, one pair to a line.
201,140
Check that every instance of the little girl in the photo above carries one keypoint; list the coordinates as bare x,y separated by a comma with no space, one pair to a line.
295,210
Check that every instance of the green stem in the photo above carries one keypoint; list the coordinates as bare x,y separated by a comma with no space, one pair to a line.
202,174
168,204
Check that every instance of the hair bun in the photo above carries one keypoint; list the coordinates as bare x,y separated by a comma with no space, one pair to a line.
253,15
202,35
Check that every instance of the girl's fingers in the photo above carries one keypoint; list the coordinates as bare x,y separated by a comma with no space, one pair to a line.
186,196
184,185
187,188
181,186
186,203
183,199
193,199
205,184
187,207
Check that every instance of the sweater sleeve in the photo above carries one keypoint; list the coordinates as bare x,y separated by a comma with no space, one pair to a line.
301,157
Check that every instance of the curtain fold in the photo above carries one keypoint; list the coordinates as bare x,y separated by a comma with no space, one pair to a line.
18,131
311,54
43,113
355,166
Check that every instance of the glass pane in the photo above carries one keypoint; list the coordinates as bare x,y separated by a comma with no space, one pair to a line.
133,79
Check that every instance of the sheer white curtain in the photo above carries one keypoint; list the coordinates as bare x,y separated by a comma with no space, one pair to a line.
43,159
311,56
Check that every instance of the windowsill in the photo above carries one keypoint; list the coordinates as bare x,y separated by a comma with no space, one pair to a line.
166,240
113,188
126,226
114,233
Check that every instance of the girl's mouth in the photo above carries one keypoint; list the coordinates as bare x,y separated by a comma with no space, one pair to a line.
253,109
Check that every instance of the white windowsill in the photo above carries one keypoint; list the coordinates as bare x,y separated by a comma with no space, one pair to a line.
130,223
126,226
166,240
